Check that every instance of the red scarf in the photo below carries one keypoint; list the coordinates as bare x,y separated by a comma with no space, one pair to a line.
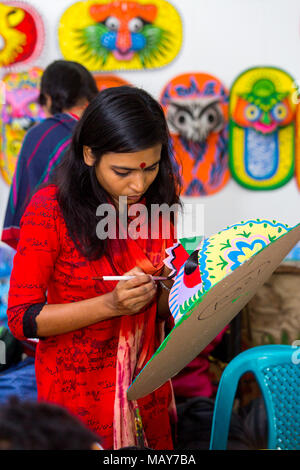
138,333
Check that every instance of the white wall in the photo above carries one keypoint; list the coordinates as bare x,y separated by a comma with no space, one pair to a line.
221,37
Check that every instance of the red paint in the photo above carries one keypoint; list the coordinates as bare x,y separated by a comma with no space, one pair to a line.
142,165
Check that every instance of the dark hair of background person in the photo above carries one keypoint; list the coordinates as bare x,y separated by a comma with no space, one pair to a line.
26,425
123,119
66,83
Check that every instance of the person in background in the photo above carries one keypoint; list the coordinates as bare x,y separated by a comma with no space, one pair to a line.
95,336
66,89
29,425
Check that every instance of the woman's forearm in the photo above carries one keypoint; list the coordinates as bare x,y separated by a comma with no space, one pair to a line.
55,319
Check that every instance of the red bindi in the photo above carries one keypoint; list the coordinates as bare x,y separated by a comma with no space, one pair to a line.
142,165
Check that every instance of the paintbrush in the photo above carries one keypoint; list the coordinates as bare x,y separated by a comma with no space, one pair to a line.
125,278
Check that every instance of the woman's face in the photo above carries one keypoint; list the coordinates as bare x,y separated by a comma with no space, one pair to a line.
126,174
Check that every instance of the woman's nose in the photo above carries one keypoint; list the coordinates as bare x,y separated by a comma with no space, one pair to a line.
138,183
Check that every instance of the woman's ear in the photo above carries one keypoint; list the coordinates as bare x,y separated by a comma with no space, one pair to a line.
88,157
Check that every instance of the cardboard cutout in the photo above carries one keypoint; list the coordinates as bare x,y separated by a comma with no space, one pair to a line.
232,265
120,35
262,128
21,33
18,113
196,108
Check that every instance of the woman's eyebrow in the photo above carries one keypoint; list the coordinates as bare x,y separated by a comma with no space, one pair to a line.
130,169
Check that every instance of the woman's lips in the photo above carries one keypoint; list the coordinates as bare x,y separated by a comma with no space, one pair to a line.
134,198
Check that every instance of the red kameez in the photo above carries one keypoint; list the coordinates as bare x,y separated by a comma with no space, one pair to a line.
88,370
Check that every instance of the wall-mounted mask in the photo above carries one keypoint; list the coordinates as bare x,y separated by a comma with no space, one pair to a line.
18,113
262,128
195,106
21,34
120,35
108,81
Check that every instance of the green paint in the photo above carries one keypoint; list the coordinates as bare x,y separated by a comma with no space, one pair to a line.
226,245
237,298
223,263
264,95
266,119
245,234
191,243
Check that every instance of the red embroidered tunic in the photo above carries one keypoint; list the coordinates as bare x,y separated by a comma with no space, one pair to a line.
87,370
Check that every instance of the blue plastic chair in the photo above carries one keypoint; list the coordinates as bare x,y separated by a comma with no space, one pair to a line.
277,371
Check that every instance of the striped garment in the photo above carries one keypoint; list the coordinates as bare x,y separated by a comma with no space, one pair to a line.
43,147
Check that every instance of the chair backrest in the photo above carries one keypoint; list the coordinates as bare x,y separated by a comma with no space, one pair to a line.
277,371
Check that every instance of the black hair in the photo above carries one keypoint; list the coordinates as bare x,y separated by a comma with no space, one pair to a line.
26,425
66,83
122,119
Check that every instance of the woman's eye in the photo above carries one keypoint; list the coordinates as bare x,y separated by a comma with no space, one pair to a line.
121,174
151,169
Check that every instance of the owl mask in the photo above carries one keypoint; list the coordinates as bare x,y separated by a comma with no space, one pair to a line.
195,119
195,106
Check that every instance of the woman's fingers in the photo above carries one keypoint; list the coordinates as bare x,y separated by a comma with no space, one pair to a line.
133,295
144,291
135,305
139,278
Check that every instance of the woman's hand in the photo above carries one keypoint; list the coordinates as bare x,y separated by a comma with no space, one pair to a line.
131,296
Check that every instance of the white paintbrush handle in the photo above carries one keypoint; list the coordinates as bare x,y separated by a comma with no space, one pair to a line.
125,278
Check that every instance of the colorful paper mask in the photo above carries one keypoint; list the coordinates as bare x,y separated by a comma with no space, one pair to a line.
216,257
108,81
21,33
196,107
120,35
262,128
232,265
19,112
